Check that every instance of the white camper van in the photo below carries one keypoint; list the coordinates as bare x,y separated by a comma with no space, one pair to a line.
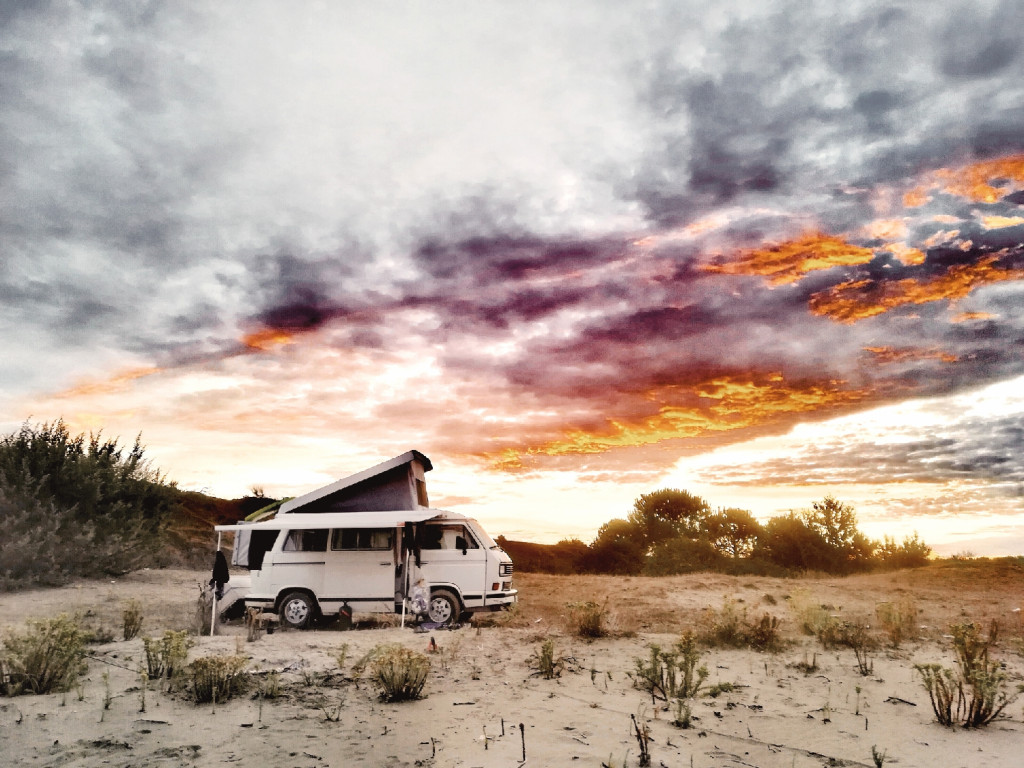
319,564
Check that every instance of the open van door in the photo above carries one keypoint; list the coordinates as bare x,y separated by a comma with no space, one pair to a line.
450,554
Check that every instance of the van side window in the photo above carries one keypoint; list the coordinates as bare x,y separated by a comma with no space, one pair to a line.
314,540
361,538
449,536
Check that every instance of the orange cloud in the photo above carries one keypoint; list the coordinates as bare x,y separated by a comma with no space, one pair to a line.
789,261
856,300
974,181
718,405
915,198
906,254
964,317
901,354
999,222
116,383
267,338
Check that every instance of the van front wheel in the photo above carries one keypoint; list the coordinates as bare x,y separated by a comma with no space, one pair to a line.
444,606
297,610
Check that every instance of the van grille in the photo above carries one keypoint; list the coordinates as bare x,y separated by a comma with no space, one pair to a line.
505,569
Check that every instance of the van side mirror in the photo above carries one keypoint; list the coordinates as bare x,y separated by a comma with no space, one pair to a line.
461,543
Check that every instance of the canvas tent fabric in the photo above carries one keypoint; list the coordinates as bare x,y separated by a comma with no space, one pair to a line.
397,483
387,519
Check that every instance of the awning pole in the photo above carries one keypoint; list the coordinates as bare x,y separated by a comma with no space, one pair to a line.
213,609
405,586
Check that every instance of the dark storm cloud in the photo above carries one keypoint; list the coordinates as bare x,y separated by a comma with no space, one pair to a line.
787,108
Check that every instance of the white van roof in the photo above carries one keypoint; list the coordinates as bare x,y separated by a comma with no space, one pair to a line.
297,520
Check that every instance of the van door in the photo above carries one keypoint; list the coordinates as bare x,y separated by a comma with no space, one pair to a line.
360,570
451,554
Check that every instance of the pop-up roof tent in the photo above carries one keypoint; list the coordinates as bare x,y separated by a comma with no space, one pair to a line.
396,484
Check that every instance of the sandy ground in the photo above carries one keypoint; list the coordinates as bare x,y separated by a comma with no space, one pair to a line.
482,684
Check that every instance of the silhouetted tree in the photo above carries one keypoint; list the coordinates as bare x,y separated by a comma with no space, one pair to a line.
789,541
911,553
666,514
682,555
617,548
836,522
733,531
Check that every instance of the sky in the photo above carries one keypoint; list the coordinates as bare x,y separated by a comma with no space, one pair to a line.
573,252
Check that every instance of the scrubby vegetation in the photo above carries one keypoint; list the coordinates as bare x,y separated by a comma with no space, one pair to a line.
398,673
587,619
86,505
976,690
76,506
671,532
217,678
48,656
730,627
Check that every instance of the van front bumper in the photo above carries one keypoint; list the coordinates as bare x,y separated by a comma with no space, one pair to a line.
504,599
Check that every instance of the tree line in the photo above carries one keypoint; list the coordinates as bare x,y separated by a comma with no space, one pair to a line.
671,531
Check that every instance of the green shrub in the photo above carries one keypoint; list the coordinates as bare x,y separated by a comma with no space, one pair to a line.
76,506
763,635
729,627
166,657
48,656
975,692
898,620
131,619
671,674
812,617
398,672
545,663
587,619
217,678
856,636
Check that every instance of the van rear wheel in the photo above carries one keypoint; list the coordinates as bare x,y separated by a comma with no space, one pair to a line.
444,607
297,610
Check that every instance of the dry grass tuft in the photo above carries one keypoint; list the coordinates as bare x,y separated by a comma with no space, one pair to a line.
398,673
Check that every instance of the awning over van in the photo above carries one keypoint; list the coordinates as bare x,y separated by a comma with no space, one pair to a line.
338,520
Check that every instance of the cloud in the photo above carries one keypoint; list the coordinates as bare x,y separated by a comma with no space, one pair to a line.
588,241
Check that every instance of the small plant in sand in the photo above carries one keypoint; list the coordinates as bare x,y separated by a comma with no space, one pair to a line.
398,673
812,617
587,618
763,634
642,732
683,715
671,674
131,619
975,692
856,636
729,627
166,657
545,663
341,656
217,678
48,656
878,758
898,620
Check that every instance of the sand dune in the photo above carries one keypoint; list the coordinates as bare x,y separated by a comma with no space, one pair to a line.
482,684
